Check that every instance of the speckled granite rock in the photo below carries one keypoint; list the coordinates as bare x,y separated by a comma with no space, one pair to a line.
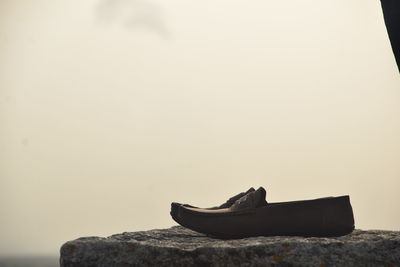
178,246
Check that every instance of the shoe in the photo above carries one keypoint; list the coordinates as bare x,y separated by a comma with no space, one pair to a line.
175,205
252,215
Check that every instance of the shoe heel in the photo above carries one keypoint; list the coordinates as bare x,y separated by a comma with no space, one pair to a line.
338,219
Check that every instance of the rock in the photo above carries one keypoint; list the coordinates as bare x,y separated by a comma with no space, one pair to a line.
178,246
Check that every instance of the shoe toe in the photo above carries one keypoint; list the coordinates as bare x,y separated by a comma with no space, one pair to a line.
175,210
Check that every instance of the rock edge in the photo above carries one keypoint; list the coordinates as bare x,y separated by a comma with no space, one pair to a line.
178,246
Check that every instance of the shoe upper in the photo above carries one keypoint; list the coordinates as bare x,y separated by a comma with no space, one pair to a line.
251,200
234,199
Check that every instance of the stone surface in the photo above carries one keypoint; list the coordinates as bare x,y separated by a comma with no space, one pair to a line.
178,246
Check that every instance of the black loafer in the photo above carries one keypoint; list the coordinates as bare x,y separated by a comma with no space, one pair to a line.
251,215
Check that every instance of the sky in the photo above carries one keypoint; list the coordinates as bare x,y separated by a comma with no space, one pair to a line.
111,110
